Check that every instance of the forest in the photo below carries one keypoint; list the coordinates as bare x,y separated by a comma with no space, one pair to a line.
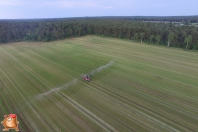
152,30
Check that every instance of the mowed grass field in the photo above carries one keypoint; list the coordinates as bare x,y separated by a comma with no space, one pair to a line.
146,88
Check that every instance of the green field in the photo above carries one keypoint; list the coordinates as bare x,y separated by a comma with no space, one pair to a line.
146,87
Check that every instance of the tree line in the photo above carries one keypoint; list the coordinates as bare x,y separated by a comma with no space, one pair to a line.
183,19
168,34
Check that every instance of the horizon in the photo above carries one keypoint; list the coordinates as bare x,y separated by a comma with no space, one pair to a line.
95,17
43,9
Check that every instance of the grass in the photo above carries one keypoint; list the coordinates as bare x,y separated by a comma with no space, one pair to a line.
148,87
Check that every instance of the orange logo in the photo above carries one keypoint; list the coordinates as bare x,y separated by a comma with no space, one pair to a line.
10,122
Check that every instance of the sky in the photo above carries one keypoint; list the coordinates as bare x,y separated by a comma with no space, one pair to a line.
29,9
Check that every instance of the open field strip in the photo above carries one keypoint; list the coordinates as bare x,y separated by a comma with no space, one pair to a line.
146,88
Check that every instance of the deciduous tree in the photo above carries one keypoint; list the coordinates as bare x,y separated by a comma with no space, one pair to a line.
170,38
158,38
136,36
151,38
142,36
188,40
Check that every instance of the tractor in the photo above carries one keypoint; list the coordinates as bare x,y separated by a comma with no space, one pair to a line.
86,78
